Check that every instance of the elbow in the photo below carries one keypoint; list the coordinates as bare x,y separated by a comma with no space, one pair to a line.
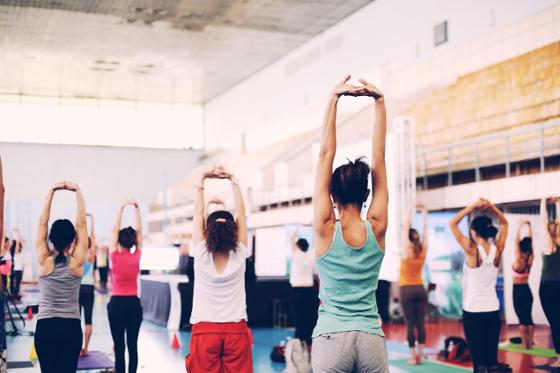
326,153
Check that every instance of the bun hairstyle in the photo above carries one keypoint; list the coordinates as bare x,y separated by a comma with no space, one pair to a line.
302,244
483,226
349,183
221,232
61,236
127,237
526,246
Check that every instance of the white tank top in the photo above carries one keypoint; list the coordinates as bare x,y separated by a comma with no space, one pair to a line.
479,284
301,275
219,297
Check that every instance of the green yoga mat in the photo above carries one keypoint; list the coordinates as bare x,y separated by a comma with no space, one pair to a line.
535,351
427,366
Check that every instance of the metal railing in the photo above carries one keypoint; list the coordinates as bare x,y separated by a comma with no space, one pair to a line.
537,141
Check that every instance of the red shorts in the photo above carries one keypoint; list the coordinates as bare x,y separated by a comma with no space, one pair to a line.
220,348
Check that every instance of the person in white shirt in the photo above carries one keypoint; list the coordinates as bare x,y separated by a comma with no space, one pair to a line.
305,296
220,338
16,274
481,307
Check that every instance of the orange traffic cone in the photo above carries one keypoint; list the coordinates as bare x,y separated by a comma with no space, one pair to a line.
29,313
175,343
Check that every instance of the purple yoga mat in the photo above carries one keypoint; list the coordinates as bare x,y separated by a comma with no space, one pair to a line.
95,360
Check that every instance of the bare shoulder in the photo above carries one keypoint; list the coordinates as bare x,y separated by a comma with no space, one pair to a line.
324,238
46,267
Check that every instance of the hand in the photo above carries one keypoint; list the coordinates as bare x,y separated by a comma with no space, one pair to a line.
370,90
345,89
58,186
223,174
73,187
212,174
216,201
482,204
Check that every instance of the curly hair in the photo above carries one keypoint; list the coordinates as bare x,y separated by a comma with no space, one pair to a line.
221,232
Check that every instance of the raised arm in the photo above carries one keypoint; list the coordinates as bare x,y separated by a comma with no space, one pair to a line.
41,244
518,241
79,253
199,221
406,228
323,212
138,219
91,248
378,210
502,234
463,240
294,238
113,244
549,243
424,227
241,218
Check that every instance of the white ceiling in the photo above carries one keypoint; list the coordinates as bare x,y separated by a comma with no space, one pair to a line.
177,51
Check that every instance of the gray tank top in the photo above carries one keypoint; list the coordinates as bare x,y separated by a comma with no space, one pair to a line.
59,294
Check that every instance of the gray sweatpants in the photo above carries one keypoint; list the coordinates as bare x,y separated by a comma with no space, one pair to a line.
349,352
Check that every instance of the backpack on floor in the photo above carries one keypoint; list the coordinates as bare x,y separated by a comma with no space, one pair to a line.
455,350
277,353
298,359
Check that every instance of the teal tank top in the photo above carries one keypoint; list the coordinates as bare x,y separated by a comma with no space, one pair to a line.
88,278
348,281
551,267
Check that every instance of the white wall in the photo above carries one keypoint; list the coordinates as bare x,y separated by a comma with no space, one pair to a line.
288,96
107,175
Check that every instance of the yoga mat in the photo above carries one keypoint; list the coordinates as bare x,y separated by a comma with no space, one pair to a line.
535,351
95,360
19,364
428,366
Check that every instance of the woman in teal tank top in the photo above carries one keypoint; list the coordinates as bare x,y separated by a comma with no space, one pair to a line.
549,290
348,335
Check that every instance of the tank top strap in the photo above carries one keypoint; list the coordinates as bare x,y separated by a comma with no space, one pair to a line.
487,258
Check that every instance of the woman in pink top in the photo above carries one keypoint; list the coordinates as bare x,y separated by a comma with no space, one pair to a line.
124,309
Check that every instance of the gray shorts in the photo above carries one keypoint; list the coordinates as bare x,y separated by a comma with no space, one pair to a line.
349,352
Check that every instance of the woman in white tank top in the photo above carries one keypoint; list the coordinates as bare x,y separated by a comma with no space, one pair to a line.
481,308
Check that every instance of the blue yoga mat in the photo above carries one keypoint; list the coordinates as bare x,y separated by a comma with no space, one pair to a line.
95,360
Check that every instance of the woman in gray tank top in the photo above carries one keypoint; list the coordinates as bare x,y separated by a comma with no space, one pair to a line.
58,335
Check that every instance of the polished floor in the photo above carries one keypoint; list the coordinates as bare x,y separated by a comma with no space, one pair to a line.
156,354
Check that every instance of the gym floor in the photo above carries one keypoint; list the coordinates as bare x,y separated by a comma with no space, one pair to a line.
156,354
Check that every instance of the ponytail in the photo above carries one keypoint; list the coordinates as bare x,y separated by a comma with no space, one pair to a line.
60,258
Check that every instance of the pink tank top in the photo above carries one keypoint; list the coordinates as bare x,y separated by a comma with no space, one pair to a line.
125,267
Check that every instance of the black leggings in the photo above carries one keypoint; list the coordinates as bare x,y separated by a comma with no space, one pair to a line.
482,331
58,343
15,282
87,296
550,299
125,317
523,303
306,305
414,300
